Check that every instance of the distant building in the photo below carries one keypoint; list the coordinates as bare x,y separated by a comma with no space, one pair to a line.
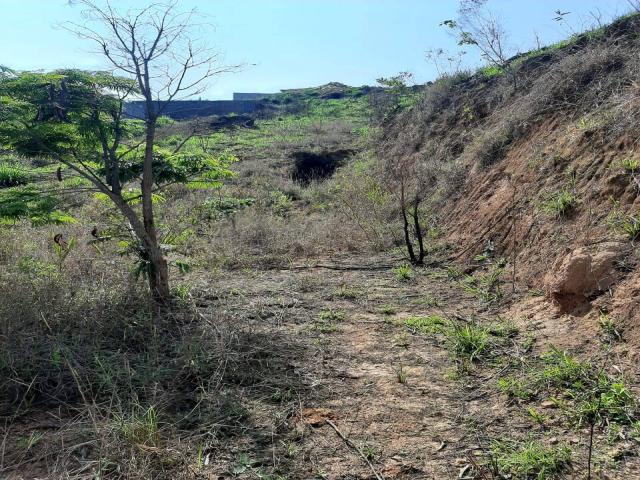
242,103
185,109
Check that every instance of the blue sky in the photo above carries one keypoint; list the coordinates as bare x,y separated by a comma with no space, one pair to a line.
299,43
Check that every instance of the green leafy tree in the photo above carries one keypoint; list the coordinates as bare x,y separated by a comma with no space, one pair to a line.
75,118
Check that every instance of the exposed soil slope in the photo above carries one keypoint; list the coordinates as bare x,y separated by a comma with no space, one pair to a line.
512,157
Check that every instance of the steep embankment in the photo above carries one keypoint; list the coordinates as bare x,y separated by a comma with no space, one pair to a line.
543,175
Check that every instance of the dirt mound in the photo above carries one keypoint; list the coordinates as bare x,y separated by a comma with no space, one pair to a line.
582,273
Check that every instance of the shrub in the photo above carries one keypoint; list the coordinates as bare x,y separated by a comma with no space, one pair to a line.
215,208
280,203
605,400
13,175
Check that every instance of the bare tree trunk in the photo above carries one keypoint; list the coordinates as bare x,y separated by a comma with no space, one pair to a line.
407,237
159,271
418,230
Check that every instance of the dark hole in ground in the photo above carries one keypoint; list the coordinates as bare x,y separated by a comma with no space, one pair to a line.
310,166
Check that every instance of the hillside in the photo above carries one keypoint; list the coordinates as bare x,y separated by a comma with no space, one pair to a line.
546,174
301,342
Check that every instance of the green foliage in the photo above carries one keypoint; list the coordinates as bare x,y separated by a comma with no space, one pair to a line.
347,292
530,460
536,416
515,387
559,203
280,203
387,309
222,207
73,119
401,375
403,272
12,174
490,71
623,223
331,315
629,165
562,370
486,286
195,169
427,325
596,396
504,329
58,114
605,400
467,340
609,328
140,427
62,251
399,92
29,203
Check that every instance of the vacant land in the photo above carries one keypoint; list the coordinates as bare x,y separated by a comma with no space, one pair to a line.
301,341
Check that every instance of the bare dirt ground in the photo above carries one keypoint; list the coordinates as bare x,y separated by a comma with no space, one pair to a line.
334,357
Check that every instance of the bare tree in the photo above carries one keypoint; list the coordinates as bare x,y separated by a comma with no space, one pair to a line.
156,46
445,63
408,182
476,25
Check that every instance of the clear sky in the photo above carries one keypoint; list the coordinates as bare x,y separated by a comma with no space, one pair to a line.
299,43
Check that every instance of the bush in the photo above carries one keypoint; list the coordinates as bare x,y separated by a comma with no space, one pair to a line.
13,174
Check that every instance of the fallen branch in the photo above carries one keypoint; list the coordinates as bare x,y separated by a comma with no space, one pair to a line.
342,267
353,446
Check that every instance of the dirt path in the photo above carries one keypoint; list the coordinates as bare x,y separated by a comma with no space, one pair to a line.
334,346
388,390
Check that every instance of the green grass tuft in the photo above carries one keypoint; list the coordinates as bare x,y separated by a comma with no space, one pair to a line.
530,460
427,325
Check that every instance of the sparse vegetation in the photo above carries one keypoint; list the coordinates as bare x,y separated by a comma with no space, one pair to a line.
343,261
623,223
427,325
531,459
486,286
559,204
468,340
609,328
403,273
